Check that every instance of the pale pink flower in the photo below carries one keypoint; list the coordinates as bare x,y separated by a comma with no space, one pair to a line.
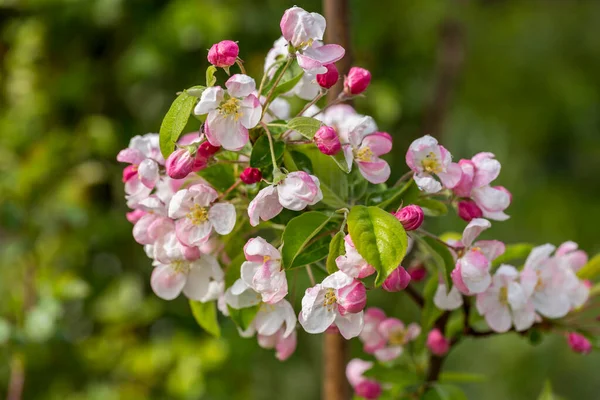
477,174
437,343
447,300
370,336
579,343
231,113
472,272
352,263
505,303
397,336
341,117
364,146
239,295
295,192
425,157
320,307
569,254
197,215
263,272
144,157
284,345
364,387
200,280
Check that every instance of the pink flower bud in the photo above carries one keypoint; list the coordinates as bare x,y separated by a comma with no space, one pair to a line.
223,54
207,150
467,210
396,281
417,273
588,284
129,172
368,389
135,215
180,163
352,298
411,217
327,141
579,343
437,343
329,78
200,162
357,81
251,175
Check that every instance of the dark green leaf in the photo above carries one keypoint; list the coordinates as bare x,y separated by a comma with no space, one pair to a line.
336,249
174,122
316,250
441,391
306,126
514,252
431,207
440,257
296,161
244,316
461,377
220,176
591,270
390,199
205,315
298,234
290,78
379,238
261,152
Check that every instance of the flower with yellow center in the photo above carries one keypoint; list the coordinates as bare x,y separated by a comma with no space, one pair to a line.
431,164
231,107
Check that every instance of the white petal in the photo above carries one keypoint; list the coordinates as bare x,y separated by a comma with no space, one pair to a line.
166,283
210,100
474,229
350,325
222,216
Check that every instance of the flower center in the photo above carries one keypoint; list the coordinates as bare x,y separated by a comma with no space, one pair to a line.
198,214
231,107
398,337
365,154
330,299
431,164
180,266
503,295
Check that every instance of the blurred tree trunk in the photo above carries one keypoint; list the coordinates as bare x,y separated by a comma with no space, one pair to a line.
335,347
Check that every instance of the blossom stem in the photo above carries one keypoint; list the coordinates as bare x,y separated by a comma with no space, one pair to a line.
340,99
232,162
310,275
431,235
403,178
270,95
266,74
240,64
17,378
273,158
313,101
232,187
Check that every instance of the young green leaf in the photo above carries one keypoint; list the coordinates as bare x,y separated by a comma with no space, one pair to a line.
390,199
210,76
546,393
336,249
261,152
441,258
243,317
196,91
513,252
290,78
591,270
298,235
174,122
379,238
431,207
205,315
306,126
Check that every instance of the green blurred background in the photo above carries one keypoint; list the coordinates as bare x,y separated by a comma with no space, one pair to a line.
79,78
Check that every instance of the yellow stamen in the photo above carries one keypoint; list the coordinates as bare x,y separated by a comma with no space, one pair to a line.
330,299
231,107
365,154
198,214
431,164
180,266
398,337
503,295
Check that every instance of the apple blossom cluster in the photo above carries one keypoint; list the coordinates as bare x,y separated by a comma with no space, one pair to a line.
229,213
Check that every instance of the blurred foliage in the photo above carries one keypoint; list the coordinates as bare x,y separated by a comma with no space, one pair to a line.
78,78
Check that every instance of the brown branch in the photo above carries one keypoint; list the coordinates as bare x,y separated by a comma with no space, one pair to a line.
17,378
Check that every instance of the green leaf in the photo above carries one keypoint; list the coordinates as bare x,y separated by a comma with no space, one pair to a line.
395,374
591,270
297,236
196,91
546,393
432,208
430,312
316,250
390,199
232,273
243,317
513,252
441,258
306,126
261,152
210,76
336,249
340,160
379,238
461,377
441,391
220,176
174,122
205,315
290,78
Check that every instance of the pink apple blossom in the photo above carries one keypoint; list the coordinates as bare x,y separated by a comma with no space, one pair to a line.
223,54
411,217
505,303
397,281
197,215
579,343
263,272
477,174
352,263
370,336
571,256
425,157
320,307
472,272
329,78
295,192
231,113
397,335
357,81
284,345
437,343
468,209
447,300
364,387
180,163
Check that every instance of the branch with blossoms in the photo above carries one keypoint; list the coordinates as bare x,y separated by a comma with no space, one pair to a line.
231,213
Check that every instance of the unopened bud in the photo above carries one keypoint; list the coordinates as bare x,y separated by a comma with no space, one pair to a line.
579,343
467,210
417,273
397,281
411,217
327,140
223,54
437,343
329,78
368,389
180,163
357,81
352,298
251,175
